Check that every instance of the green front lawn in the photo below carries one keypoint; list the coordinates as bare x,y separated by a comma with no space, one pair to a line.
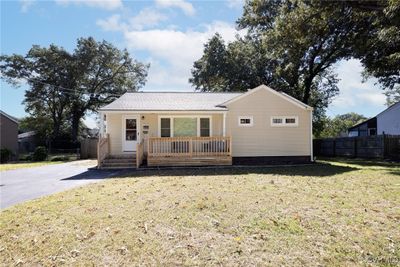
14,166
337,214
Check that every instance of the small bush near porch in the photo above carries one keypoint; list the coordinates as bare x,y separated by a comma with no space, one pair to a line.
338,213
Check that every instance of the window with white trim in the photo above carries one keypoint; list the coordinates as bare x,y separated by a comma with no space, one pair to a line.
184,126
245,121
165,127
284,121
204,127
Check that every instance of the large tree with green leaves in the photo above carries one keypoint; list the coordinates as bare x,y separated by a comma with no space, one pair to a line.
46,71
291,46
379,50
339,124
67,85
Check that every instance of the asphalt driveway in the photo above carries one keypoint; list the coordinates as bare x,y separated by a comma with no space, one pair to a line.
20,185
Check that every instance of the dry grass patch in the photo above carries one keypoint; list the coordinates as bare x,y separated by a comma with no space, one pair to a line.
14,166
309,215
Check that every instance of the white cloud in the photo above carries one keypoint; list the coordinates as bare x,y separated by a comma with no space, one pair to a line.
104,4
172,51
178,49
112,23
147,17
90,121
144,19
26,4
365,98
237,4
186,7
177,46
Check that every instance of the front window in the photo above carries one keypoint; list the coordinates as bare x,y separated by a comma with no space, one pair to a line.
185,127
179,126
165,127
130,130
204,127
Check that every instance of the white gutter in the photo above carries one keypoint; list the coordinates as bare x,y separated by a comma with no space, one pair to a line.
311,136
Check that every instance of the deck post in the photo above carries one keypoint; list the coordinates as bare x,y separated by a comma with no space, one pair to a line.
190,147
101,133
224,125
230,146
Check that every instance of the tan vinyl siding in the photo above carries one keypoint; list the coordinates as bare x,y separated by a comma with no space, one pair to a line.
114,126
114,129
217,124
261,139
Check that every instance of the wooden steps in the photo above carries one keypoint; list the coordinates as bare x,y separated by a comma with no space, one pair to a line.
119,162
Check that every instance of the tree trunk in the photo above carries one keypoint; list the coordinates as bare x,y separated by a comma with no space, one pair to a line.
75,120
307,90
56,127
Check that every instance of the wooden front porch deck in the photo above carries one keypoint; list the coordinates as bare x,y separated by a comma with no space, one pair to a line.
175,151
189,151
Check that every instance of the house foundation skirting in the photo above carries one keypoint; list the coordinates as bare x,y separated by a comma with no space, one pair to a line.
271,160
189,161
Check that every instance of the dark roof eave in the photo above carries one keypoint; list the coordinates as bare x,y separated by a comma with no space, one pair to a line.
359,124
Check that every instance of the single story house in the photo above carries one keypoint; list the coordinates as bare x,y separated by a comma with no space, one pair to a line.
191,128
386,122
365,128
9,133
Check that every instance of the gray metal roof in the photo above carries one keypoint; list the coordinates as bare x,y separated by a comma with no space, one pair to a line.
170,101
27,134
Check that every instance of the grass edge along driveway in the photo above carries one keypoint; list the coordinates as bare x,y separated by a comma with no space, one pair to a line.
23,165
337,214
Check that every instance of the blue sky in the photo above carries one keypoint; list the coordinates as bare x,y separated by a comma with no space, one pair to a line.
167,34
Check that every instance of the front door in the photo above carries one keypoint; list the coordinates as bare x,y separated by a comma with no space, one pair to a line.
130,133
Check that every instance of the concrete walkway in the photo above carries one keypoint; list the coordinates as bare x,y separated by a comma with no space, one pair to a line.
20,185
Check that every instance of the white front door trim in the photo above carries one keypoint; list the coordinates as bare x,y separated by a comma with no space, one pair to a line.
130,145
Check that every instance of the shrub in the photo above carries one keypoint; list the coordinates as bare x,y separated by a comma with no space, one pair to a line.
40,154
25,157
60,158
5,155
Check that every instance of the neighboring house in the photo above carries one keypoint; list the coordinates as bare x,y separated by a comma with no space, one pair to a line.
9,133
365,128
27,142
171,128
386,122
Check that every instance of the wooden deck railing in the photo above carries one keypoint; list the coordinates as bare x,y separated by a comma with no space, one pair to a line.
139,153
103,149
189,146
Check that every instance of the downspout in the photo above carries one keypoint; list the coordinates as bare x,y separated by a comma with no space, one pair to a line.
311,136
101,133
